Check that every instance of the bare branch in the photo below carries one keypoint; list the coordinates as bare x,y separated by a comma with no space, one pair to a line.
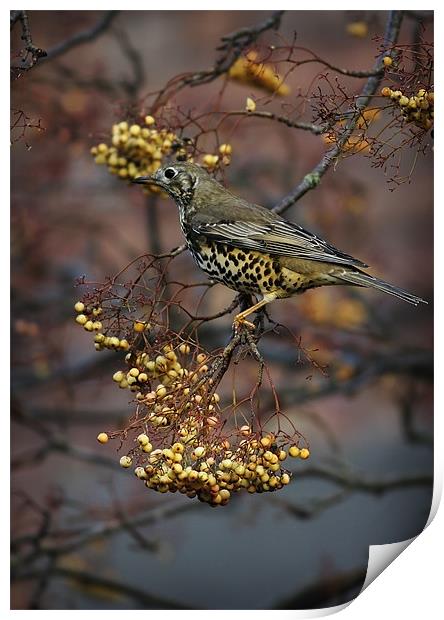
352,481
313,128
38,55
312,179
148,601
231,48
80,38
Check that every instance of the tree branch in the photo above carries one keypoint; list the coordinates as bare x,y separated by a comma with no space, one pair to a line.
231,47
84,578
85,36
39,55
313,178
313,128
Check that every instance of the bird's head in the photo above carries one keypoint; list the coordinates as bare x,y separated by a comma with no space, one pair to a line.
180,180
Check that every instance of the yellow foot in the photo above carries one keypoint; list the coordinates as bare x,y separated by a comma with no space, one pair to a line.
239,321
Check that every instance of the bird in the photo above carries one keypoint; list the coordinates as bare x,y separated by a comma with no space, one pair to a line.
252,249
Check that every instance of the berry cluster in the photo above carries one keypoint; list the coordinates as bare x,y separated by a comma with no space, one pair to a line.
210,160
87,317
138,150
183,441
417,109
212,472
357,142
247,71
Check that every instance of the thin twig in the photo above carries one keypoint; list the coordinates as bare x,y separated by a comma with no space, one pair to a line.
313,178
80,38
231,48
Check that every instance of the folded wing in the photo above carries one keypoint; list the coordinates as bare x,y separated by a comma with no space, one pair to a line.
276,236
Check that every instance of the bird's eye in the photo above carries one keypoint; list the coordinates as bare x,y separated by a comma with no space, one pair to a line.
170,173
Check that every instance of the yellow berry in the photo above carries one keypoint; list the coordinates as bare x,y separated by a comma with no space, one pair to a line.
126,461
89,326
102,438
118,376
81,319
140,473
102,148
178,448
285,478
404,101
250,105
143,439
149,120
134,130
193,475
161,391
396,94
304,454
294,451
210,160
124,344
79,307
168,453
388,61
225,149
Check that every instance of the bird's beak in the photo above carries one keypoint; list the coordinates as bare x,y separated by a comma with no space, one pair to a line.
145,181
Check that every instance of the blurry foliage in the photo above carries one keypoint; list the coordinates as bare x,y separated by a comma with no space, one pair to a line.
261,75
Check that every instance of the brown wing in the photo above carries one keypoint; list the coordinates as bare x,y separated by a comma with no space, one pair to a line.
256,228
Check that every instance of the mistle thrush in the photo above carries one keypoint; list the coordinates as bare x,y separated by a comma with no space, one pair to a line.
251,249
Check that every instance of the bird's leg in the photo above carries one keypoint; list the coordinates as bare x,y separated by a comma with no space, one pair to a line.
239,319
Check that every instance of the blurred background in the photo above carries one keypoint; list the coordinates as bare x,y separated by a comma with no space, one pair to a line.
85,533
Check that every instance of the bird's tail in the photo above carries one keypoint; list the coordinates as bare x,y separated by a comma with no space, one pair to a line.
364,279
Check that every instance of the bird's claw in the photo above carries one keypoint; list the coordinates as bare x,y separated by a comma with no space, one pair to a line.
240,321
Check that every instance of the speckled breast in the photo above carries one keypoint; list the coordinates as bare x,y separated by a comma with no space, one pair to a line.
242,270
